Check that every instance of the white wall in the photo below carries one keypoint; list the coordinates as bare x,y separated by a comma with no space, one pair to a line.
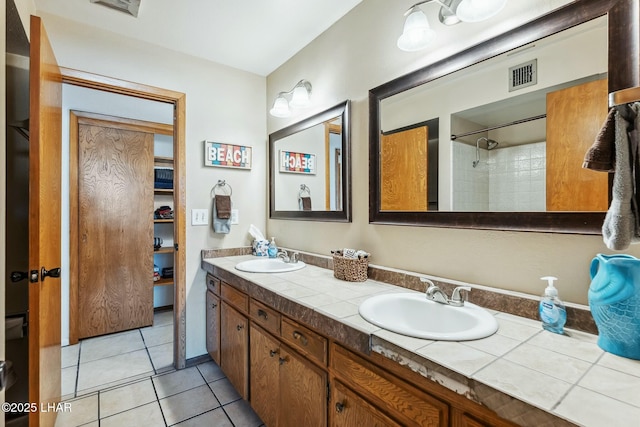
222,104
359,53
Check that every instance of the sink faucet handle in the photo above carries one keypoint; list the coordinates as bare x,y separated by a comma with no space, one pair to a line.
428,282
294,257
457,298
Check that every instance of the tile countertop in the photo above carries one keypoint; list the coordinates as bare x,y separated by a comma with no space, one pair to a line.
517,372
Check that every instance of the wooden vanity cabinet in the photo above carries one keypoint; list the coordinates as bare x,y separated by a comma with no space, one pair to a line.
213,318
287,390
234,348
347,409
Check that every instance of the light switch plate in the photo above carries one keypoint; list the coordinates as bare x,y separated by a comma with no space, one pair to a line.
199,216
235,218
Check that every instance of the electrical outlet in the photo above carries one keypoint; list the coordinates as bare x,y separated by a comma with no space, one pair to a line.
199,216
235,218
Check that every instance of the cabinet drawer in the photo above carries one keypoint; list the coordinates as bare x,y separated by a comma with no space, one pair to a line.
400,400
308,342
213,284
235,297
265,316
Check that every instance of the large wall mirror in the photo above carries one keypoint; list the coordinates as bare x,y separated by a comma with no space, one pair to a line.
309,168
509,122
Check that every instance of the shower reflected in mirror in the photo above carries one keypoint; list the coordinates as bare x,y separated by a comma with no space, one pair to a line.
491,144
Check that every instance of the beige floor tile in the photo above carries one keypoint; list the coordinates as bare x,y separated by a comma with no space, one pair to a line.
116,368
163,318
83,411
157,335
242,415
70,355
177,382
162,357
148,415
68,380
216,418
126,397
110,345
210,371
224,391
188,404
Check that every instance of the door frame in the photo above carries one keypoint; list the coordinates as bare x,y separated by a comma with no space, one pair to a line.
178,100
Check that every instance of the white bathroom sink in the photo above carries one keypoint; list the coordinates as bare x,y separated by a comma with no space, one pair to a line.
414,315
269,265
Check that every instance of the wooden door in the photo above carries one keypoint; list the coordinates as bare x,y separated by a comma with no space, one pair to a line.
574,117
348,409
264,377
234,348
403,170
303,391
213,326
115,227
45,154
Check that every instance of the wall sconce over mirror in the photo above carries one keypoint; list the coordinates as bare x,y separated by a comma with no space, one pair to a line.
417,33
312,154
298,97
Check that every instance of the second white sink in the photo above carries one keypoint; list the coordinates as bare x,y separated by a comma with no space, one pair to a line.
414,315
269,265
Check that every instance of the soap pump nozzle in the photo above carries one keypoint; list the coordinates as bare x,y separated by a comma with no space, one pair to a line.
550,290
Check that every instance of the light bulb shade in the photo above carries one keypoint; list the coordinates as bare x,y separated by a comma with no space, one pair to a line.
280,107
301,94
417,33
479,10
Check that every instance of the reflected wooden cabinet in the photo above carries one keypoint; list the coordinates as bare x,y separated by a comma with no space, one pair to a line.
234,348
286,389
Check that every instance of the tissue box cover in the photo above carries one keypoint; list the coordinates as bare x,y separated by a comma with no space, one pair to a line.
260,248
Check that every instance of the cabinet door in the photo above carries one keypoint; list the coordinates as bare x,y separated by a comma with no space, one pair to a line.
234,348
213,326
303,391
264,383
348,409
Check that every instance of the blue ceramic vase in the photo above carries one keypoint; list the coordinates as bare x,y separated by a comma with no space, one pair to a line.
614,298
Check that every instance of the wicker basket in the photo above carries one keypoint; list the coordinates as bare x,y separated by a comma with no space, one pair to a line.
350,269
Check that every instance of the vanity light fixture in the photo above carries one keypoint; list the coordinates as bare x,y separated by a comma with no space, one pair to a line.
298,97
127,6
417,33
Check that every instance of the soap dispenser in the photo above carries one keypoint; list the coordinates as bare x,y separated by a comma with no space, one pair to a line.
552,311
273,249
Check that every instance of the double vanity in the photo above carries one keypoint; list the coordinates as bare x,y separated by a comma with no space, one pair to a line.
295,345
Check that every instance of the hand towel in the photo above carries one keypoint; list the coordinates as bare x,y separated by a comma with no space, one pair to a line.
620,225
223,206
305,203
220,225
601,155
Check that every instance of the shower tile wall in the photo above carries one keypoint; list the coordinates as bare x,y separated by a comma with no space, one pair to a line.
506,179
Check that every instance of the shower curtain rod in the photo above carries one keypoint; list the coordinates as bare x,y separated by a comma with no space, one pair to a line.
515,122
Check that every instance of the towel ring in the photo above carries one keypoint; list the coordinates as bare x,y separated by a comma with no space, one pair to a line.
222,186
304,190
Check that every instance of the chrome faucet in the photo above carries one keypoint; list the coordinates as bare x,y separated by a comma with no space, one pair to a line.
294,257
434,293
283,254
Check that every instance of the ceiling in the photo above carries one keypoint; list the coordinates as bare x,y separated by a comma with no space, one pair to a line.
252,35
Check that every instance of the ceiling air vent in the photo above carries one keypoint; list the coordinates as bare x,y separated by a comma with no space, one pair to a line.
523,75
127,6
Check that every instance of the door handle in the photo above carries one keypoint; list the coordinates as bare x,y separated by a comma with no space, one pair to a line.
17,276
54,272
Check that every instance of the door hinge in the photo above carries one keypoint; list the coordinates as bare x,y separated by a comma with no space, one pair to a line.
175,246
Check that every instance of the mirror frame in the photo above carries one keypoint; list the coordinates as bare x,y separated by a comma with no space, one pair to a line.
342,110
623,72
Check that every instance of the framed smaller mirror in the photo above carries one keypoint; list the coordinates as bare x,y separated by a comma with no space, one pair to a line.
310,168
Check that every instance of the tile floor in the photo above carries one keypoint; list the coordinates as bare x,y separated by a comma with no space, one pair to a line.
127,379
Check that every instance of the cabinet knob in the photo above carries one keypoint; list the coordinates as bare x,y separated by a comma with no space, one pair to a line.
340,406
262,313
240,327
214,305
299,336
272,353
282,360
